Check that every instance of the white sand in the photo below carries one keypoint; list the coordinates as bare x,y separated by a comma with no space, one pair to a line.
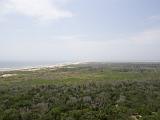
8,75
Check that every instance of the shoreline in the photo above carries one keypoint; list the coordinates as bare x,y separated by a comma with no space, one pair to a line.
39,67
59,65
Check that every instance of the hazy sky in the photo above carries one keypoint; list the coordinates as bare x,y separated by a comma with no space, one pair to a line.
67,30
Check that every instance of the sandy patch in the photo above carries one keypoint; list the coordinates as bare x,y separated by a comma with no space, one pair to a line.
30,69
8,75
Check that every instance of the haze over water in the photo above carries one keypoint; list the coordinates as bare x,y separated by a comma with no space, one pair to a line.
21,65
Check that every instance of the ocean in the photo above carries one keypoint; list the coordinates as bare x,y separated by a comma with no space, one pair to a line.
12,65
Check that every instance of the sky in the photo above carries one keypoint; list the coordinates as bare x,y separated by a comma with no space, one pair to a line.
80,30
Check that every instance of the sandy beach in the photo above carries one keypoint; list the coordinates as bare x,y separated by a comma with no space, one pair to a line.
39,67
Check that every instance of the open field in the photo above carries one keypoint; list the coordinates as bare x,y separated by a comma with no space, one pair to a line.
90,91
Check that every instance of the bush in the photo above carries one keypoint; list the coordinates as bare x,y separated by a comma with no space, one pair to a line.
11,114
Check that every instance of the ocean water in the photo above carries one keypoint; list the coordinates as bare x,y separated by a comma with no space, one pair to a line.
11,65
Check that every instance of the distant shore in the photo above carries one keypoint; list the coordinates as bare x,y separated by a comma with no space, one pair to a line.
39,67
63,64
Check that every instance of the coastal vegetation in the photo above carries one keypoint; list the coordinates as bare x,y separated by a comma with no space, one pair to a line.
89,91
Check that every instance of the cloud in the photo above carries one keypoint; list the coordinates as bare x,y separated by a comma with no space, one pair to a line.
37,9
142,46
69,37
147,37
154,17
